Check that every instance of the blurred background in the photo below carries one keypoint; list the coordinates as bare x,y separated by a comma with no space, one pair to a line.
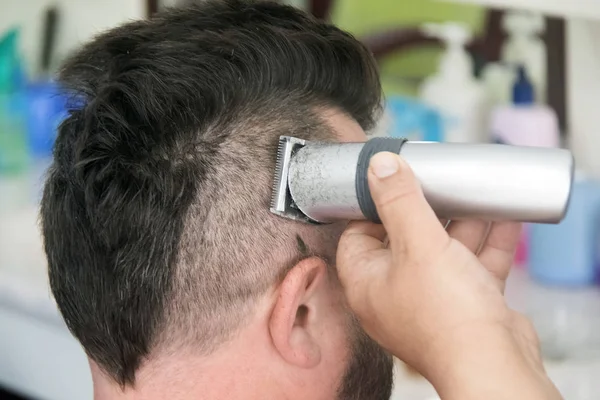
506,71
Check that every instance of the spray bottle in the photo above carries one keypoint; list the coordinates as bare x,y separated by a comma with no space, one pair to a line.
453,91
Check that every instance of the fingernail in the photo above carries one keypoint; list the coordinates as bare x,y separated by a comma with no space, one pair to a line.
385,164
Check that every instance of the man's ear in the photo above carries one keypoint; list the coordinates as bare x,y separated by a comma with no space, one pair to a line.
298,309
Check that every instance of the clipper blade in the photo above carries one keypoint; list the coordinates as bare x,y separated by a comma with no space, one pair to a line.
281,200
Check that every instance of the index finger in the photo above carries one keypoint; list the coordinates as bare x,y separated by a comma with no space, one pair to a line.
356,252
498,252
360,237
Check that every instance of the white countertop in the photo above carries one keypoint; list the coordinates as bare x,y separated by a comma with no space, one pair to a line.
38,356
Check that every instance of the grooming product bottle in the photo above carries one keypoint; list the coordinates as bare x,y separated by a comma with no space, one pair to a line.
413,120
498,79
524,46
568,253
453,91
524,123
13,145
45,111
14,156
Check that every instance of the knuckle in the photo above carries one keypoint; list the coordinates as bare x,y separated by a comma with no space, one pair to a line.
526,328
524,324
347,236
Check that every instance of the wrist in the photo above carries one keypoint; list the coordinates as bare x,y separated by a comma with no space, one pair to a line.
488,362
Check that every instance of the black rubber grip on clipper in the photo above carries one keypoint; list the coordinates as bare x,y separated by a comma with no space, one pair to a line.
363,194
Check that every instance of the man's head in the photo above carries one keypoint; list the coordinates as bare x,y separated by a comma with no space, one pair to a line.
155,213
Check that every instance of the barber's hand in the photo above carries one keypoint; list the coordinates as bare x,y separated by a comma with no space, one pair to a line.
434,296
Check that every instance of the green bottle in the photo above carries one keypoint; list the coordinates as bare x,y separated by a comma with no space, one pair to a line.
14,157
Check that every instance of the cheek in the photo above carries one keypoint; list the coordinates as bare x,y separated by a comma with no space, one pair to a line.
335,361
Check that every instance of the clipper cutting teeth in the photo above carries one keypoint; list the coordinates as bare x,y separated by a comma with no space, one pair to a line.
281,200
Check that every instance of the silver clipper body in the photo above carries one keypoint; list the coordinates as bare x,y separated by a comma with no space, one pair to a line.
324,182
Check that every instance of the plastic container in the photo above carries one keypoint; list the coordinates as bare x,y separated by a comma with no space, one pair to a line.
524,46
453,91
46,108
13,145
524,123
568,254
498,80
14,155
413,120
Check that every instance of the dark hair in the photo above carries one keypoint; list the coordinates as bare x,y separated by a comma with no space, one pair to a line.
155,211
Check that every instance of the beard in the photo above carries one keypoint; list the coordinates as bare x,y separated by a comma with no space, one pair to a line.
370,371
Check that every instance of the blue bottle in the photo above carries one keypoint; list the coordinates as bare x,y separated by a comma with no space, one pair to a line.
568,254
46,109
414,120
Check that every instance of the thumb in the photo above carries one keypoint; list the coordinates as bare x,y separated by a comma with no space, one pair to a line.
361,260
411,224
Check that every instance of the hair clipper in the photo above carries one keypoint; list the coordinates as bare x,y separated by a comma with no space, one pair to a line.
321,182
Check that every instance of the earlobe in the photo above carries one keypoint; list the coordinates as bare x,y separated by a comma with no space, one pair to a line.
296,313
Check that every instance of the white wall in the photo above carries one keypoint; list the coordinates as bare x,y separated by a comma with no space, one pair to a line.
79,20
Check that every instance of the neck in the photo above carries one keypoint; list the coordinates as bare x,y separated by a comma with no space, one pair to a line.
229,373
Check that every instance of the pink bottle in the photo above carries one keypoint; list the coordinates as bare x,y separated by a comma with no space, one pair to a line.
524,123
